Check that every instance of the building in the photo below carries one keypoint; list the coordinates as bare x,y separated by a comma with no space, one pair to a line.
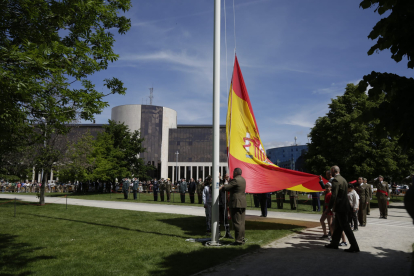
290,157
176,151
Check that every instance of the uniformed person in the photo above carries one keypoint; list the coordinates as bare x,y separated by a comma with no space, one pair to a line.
256,200
168,187
369,187
293,201
162,189
223,204
155,187
237,189
280,196
199,190
192,185
135,185
125,187
183,189
362,191
339,204
383,192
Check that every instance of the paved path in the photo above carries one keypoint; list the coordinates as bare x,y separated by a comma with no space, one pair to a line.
386,249
386,245
156,208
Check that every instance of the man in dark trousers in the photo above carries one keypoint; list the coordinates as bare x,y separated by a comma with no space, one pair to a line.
183,189
316,201
191,189
155,187
263,204
339,204
256,200
223,204
162,187
237,189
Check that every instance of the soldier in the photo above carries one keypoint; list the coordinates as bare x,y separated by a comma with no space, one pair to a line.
363,193
292,197
200,187
237,189
155,187
191,189
280,196
263,204
168,189
383,192
125,187
183,189
369,187
162,189
223,204
135,185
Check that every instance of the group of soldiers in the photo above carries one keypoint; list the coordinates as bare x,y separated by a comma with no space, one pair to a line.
164,188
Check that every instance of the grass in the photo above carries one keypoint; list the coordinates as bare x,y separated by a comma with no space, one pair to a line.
304,204
50,240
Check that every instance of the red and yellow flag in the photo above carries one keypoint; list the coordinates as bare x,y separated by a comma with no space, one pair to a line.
246,151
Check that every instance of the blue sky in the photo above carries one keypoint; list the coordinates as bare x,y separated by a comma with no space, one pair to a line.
295,55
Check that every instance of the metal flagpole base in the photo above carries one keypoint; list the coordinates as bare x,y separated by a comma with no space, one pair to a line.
213,243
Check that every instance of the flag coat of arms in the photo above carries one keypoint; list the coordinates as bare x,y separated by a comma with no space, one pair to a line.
246,151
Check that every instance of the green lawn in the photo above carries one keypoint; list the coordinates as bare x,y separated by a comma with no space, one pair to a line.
304,204
50,240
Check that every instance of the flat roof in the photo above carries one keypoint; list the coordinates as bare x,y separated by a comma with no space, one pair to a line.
199,126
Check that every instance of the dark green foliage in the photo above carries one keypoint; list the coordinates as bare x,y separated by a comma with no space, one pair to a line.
344,137
395,31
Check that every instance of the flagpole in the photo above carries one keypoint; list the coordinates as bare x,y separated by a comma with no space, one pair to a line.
216,124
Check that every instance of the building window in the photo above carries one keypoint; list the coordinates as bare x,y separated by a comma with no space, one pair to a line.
178,143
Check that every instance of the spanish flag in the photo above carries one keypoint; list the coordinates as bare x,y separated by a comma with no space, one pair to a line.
245,149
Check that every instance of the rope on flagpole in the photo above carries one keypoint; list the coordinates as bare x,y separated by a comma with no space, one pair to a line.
234,23
225,41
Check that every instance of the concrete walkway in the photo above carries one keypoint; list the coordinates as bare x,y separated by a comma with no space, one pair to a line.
386,249
386,245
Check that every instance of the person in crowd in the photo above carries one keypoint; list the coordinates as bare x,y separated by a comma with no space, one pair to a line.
293,199
256,200
155,188
383,192
207,193
223,204
125,187
327,214
369,187
238,204
363,193
263,204
192,189
162,188
316,201
183,190
200,187
168,188
394,188
135,185
340,203
354,203
280,197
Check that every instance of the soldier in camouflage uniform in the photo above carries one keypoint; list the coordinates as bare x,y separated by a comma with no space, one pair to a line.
168,188
135,185
363,193
280,197
199,190
383,193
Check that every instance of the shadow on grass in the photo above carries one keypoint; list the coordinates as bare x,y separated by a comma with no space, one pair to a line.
107,225
13,256
175,264
196,226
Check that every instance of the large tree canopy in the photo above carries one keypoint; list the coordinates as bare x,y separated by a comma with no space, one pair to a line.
340,138
394,32
48,49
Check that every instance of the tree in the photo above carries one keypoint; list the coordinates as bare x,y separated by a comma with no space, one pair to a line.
340,138
396,33
48,49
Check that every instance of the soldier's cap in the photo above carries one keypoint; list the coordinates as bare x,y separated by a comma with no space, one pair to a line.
380,176
168,179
